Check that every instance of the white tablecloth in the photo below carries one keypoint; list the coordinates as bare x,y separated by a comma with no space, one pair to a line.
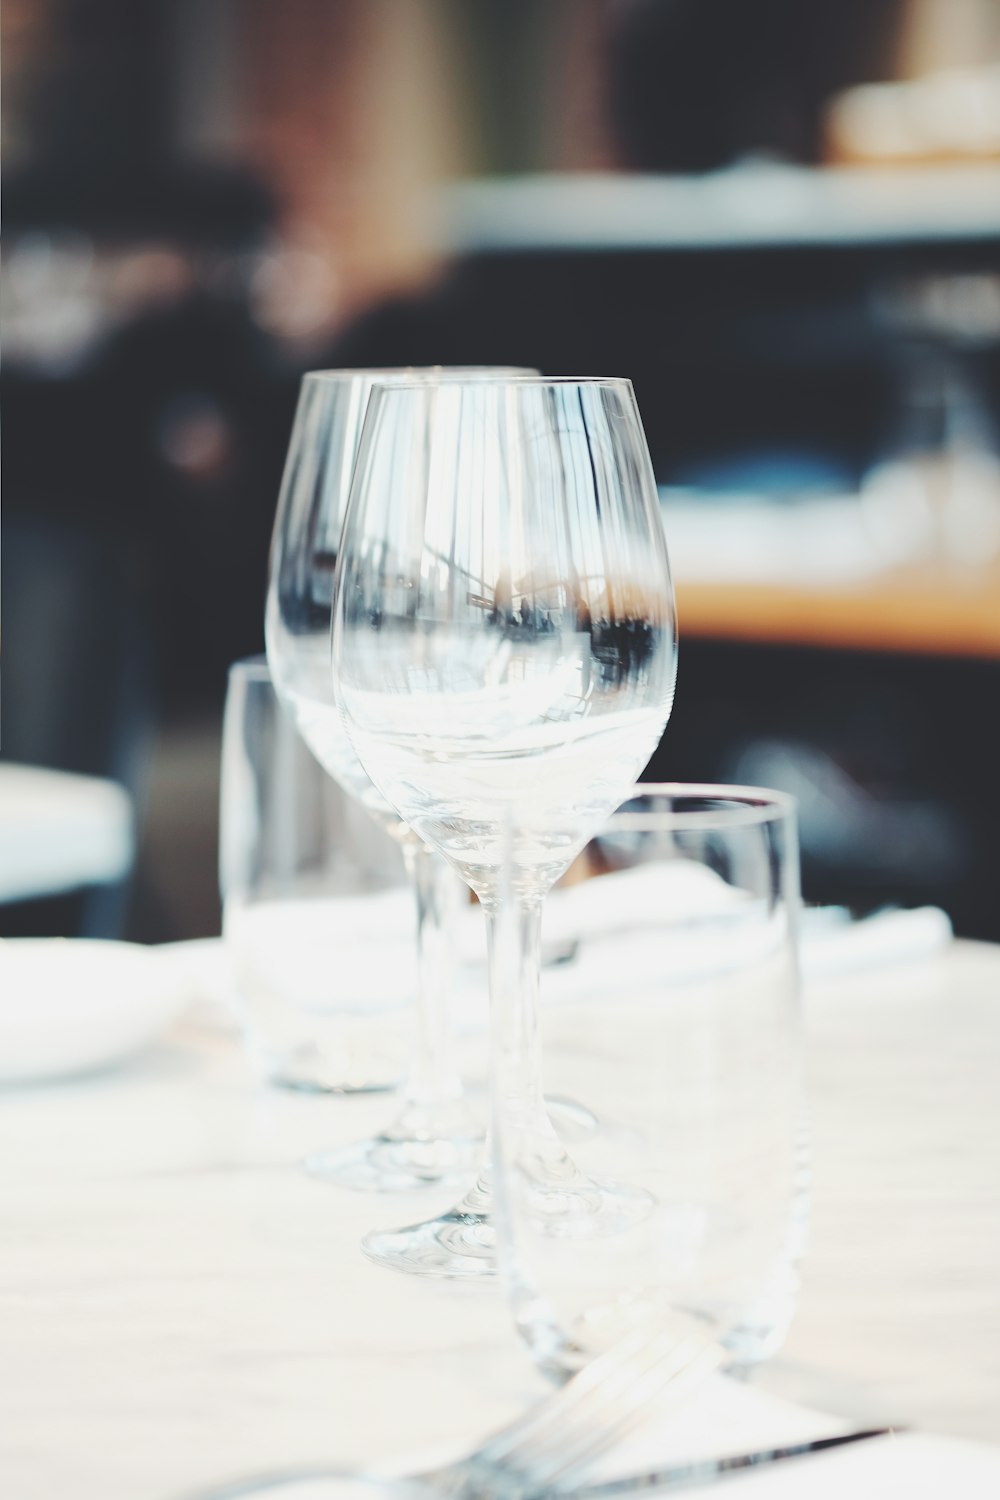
181,1304
60,831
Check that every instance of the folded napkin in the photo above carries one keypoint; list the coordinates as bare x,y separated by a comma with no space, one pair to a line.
347,955
725,1418
356,954
886,937
686,901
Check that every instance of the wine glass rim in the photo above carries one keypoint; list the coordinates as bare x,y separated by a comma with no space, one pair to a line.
395,389
514,378
717,805
417,374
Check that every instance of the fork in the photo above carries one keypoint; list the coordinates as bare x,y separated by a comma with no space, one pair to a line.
546,1448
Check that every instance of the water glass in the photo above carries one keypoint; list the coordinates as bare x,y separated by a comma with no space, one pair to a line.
317,915
670,1031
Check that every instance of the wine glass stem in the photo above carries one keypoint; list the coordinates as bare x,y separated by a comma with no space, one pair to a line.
513,931
433,1082
513,941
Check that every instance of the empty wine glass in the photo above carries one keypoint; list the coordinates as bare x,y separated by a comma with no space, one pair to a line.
504,657
434,1136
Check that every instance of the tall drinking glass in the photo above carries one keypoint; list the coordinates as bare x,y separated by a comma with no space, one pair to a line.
434,1136
314,907
504,654
676,1023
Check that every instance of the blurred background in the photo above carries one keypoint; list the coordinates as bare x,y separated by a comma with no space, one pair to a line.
781,220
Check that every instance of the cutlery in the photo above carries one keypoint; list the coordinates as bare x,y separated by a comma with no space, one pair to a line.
543,1449
544,1452
705,1471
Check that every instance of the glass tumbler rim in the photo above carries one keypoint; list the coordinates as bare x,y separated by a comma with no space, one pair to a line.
743,807
254,668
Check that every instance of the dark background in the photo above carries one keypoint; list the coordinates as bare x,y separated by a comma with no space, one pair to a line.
205,198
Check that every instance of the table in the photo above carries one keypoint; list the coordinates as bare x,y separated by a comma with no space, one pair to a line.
60,831
181,1304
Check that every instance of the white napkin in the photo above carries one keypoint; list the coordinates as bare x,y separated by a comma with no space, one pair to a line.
347,955
359,951
725,1418
646,901
886,937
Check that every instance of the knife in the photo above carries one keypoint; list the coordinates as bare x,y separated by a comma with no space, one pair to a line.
705,1471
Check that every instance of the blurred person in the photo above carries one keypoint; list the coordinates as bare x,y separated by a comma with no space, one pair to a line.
142,465
163,430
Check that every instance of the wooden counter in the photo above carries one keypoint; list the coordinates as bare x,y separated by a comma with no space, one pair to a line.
919,611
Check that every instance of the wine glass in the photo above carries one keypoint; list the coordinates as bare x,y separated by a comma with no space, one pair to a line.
504,656
434,1136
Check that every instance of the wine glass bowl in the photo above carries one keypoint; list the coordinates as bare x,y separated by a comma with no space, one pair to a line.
435,1136
504,657
504,644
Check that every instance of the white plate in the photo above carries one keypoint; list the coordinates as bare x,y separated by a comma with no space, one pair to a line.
69,1006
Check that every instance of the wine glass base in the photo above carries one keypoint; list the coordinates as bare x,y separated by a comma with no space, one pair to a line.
461,1243
573,1120
456,1245
383,1164
586,1209
323,1084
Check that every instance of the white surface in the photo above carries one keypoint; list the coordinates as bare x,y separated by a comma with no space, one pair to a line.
805,543
584,923
69,1006
180,1304
59,832
728,1418
742,206
352,954
885,938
